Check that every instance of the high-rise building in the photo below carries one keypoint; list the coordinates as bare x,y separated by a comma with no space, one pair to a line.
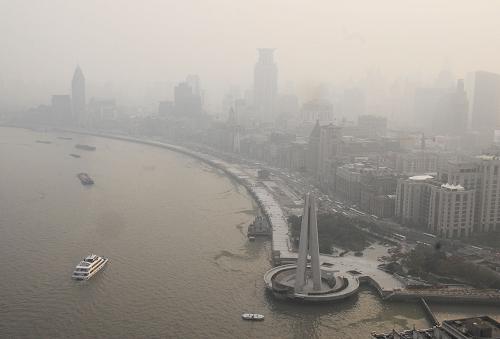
459,109
78,96
488,195
265,85
442,208
449,115
485,101
329,149
194,81
313,150
465,198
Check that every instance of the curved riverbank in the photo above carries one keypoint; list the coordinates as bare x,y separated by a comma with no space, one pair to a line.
387,286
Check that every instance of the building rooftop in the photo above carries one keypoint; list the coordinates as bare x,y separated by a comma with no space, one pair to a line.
452,187
421,177
476,327
482,327
487,157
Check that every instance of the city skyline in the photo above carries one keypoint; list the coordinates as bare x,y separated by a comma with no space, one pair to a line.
351,42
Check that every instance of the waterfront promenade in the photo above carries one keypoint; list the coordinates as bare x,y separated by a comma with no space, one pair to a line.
363,269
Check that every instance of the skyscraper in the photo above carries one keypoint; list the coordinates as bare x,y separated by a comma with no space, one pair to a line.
78,96
485,101
459,109
265,85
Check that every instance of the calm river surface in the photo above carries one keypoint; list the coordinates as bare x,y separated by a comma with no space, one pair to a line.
174,230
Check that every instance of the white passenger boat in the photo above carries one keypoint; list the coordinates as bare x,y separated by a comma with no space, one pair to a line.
88,267
252,316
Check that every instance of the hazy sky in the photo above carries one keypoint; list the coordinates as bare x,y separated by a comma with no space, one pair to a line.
136,45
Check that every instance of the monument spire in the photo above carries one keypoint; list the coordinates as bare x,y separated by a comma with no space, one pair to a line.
308,245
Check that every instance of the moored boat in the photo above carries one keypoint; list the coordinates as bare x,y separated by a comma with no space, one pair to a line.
88,267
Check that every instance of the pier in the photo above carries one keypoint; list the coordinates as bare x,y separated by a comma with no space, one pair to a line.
430,315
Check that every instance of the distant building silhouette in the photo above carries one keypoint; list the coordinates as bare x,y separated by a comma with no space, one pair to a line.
372,126
186,101
353,103
101,109
265,85
485,101
78,96
317,110
459,109
61,109
166,108
193,80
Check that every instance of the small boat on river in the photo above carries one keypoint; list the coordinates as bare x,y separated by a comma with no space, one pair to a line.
85,179
252,316
85,147
88,267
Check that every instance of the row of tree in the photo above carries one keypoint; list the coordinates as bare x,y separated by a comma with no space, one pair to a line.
334,230
426,259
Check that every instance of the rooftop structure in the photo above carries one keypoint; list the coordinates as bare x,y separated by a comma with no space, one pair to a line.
482,327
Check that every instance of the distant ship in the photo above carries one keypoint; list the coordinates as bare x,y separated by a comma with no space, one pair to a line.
85,179
43,142
65,138
85,147
88,267
75,155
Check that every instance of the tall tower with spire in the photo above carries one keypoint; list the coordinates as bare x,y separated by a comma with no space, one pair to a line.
78,96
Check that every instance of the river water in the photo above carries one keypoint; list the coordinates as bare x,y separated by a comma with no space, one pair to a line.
174,230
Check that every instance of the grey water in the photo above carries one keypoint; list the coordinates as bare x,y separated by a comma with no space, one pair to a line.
174,230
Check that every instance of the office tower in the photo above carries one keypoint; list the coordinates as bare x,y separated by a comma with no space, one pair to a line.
78,96
485,101
312,155
450,113
459,109
193,80
265,85
329,150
